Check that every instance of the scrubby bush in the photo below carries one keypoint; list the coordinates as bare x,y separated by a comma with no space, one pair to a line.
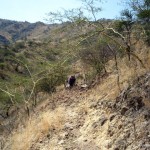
5,53
97,55
142,11
18,46
4,98
49,80
2,66
55,78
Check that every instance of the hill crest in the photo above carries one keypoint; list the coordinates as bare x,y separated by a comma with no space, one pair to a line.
11,31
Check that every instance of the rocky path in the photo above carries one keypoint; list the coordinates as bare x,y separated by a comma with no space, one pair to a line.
93,119
102,124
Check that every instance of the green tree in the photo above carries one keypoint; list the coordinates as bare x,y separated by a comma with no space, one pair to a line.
142,11
85,29
125,26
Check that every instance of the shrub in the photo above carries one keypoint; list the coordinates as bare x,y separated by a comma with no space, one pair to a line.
96,56
2,66
18,46
4,98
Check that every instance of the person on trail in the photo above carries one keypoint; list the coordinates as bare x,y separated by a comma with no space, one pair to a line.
71,81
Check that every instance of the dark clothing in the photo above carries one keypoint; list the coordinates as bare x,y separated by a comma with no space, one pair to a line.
71,81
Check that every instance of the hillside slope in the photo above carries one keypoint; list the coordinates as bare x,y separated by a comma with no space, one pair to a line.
113,113
11,31
100,118
85,122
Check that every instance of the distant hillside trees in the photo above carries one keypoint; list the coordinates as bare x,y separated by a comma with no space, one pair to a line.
142,11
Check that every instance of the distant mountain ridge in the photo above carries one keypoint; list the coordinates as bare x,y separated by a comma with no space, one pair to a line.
11,31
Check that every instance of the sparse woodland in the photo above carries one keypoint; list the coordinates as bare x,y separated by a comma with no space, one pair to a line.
109,56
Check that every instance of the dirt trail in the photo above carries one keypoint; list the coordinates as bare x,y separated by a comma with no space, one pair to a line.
75,104
93,119
99,122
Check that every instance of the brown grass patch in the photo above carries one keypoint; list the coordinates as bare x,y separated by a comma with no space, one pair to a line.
37,128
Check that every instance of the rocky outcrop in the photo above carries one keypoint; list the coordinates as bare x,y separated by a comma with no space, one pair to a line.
130,125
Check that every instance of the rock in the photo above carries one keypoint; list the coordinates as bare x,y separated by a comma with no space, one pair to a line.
147,146
112,117
40,141
95,124
68,126
61,142
147,115
20,69
120,126
85,140
100,122
103,120
48,136
123,110
107,144
110,133
136,102
120,144
94,105
84,86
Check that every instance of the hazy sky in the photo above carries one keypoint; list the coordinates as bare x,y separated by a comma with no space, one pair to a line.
35,10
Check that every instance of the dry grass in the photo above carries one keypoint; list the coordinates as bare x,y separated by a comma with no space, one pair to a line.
147,102
37,128
83,109
128,71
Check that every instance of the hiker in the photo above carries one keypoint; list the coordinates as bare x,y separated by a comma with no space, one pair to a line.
71,81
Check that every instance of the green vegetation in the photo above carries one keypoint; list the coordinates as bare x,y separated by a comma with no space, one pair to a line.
142,11
29,67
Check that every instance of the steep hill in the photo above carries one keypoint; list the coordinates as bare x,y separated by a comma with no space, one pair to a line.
109,107
99,118
11,31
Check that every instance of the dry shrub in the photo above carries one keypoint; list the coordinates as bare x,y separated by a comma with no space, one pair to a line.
37,128
128,71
